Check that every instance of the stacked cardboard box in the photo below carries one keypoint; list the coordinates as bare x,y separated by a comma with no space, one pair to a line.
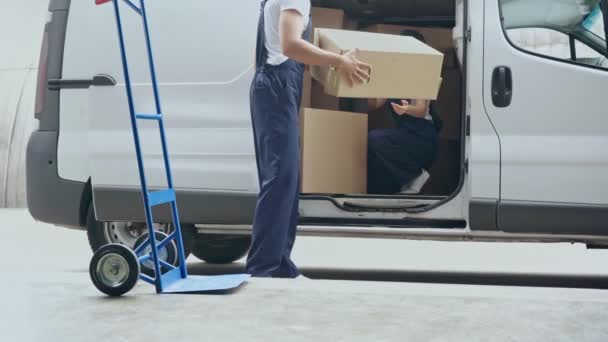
334,152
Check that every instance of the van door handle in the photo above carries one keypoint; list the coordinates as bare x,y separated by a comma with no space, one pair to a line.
502,86
81,83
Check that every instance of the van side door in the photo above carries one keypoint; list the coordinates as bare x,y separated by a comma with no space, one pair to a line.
545,81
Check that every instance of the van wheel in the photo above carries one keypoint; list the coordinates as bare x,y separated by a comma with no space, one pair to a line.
127,233
220,249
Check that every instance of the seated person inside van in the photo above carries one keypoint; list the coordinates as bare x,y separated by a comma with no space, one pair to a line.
398,158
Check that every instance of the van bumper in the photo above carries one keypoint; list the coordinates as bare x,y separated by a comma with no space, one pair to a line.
50,199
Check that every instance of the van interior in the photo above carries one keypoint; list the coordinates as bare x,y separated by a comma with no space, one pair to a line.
436,21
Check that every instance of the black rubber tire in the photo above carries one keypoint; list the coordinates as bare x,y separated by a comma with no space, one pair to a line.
171,250
132,273
188,235
98,239
220,249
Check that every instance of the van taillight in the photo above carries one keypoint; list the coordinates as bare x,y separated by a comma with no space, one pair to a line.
43,66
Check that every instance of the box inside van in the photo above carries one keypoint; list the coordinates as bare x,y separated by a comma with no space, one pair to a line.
325,154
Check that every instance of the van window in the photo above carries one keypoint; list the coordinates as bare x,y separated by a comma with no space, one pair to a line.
586,55
543,41
570,30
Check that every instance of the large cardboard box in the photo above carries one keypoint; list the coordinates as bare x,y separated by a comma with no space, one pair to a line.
439,38
402,67
334,152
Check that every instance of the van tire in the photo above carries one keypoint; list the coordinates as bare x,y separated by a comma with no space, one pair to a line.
220,249
98,238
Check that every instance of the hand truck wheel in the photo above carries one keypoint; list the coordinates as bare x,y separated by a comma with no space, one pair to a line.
167,254
114,269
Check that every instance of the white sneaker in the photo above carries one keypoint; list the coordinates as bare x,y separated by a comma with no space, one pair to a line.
417,184
302,277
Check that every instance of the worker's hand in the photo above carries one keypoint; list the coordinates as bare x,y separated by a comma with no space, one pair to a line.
402,108
352,69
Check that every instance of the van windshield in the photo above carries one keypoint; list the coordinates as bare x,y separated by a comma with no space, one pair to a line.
580,19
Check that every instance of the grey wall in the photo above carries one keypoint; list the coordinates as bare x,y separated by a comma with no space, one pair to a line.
21,28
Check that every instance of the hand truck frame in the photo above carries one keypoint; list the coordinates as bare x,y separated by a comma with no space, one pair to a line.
115,268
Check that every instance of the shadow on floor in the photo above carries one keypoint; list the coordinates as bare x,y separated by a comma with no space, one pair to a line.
436,277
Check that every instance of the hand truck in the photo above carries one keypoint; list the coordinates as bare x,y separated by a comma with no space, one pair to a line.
115,268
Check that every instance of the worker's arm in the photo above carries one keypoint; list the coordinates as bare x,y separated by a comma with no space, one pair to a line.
291,26
418,110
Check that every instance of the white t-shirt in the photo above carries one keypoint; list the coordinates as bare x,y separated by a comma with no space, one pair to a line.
272,13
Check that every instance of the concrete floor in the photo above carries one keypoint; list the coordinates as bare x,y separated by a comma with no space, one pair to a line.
47,296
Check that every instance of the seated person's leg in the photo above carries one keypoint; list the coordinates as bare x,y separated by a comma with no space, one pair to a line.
379,181
384,172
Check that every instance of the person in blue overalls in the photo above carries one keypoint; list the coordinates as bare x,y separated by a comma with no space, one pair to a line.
282,51
399,157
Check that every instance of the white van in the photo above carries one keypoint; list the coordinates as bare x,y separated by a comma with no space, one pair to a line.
528,161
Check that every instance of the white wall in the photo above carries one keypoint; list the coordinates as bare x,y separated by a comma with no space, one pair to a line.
21,27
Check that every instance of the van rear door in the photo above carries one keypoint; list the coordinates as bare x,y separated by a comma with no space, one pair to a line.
204,69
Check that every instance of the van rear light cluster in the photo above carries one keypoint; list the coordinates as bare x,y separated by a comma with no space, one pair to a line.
43,65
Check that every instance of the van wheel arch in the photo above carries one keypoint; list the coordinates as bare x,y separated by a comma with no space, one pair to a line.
98,232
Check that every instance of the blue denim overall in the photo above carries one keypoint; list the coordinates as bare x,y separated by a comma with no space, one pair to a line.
276,94
398,155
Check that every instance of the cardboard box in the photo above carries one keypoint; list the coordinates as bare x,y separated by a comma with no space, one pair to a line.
402,67
439,38
334,152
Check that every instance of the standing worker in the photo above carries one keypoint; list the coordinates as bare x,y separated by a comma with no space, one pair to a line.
282,51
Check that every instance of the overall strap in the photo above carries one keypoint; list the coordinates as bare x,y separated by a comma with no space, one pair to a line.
261,53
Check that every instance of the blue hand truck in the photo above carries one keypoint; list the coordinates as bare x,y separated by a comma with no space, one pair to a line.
115,268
